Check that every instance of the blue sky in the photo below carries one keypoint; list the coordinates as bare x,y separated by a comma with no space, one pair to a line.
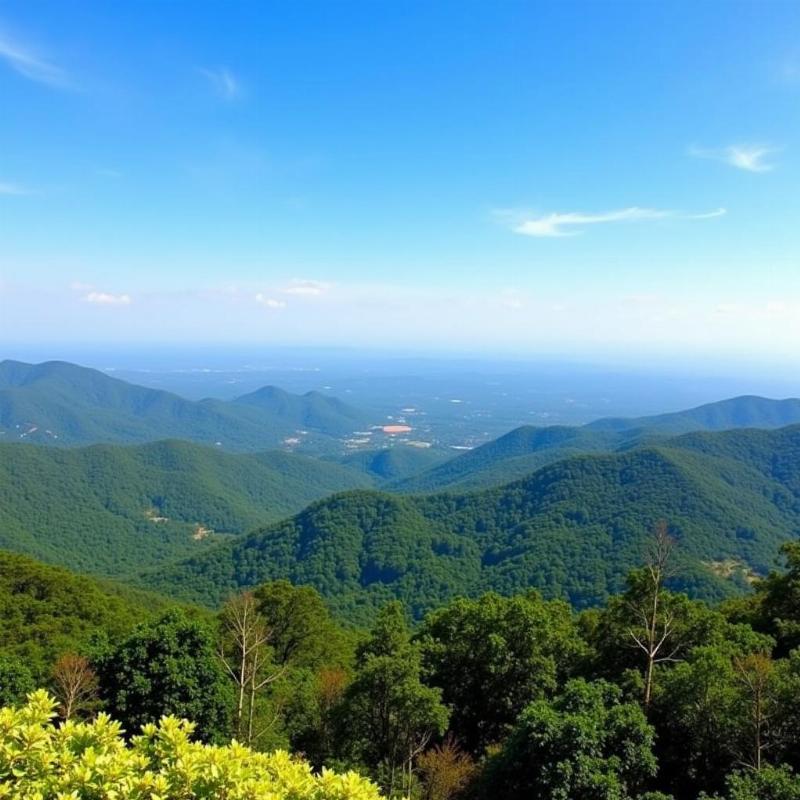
578,177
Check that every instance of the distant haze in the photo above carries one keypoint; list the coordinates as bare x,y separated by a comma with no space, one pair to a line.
490,392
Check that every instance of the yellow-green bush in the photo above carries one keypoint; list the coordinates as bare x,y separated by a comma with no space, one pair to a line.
40,760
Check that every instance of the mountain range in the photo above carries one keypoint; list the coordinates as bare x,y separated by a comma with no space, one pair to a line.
111,509
572,529
528,448
59,403
563,509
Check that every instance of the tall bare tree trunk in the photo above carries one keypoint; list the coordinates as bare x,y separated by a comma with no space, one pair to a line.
656,629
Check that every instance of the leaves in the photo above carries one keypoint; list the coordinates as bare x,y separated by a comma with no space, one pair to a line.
83,761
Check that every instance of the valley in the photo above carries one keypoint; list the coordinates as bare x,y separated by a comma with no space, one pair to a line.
559,508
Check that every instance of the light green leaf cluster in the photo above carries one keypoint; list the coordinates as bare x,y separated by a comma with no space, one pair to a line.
40,760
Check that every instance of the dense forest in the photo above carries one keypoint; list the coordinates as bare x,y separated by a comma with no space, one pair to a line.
650,696
92,508
609,612
528,448
573,530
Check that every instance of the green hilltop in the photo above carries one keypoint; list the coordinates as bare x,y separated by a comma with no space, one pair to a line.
528,448
393,464
48,611
59,403
573,529
113,510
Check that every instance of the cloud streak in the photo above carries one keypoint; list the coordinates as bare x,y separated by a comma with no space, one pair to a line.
26,62
747,157
573,223
107,299
223,82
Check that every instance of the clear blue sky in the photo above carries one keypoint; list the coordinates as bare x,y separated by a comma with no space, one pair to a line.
584,177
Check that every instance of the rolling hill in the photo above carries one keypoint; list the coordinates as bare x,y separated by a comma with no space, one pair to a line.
572,529
527,448
312,410
113,509
64,404
392,464
48,611
747,411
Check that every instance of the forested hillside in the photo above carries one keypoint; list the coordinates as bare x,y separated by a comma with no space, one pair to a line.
47,611
111,509
652,696
63,404
572,529
510,457
392,464
527,448
737,412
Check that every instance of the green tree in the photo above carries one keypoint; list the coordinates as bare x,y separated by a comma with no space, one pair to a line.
16,681
770,783
691,623
167,667
388,716
721,709
695,713
586,744
493,656
302,631
780,601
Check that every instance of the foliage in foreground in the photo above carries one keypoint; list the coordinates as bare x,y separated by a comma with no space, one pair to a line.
88,760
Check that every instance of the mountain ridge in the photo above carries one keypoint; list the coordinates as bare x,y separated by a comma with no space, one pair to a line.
89,508
572,529
65,404
528,447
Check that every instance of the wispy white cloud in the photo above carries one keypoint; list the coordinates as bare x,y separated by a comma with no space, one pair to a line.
269,302
749,157
107,298
572,223
717,212
223,82
31,65
308,288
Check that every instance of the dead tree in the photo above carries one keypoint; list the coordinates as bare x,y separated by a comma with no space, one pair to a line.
655,631
754,675
244,651
74,685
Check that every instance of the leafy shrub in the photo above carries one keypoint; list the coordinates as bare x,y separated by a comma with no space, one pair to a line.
83,761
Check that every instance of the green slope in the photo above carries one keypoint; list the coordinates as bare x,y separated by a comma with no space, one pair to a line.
312,410
572,529
95,509
393,464
525,449
47,611
510,457
737,412
64,404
